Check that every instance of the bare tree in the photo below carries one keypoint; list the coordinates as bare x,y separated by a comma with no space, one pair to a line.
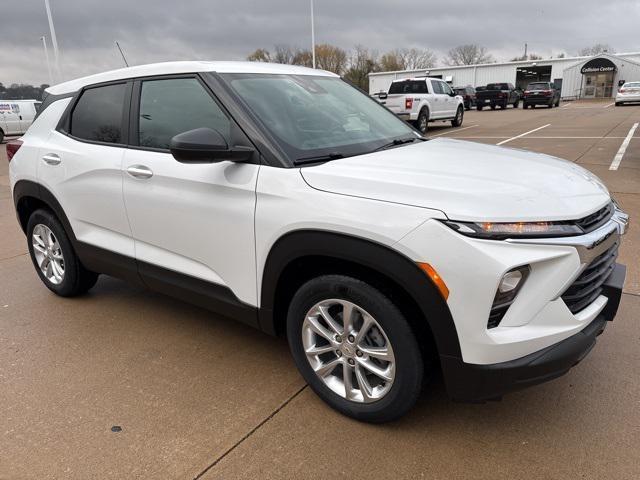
407,59
469,54
417,59
392,61
596,49
283,54
260,55
361,63
303,57
332,58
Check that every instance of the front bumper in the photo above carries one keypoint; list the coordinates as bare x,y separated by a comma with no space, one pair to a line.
477,383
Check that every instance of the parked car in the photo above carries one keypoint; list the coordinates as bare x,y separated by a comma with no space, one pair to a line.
629,92
541,93
468,95
422,100
288,199
16,116
497,95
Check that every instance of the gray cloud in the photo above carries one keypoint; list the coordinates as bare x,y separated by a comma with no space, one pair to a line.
159,30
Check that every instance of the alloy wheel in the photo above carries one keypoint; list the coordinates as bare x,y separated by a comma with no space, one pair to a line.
348,350
48,254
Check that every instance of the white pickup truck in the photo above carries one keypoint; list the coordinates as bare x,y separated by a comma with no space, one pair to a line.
422,100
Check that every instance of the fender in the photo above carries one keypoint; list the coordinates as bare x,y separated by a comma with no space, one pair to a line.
27,188
367,253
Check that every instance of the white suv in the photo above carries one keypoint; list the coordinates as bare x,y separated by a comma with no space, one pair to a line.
422,100
285,198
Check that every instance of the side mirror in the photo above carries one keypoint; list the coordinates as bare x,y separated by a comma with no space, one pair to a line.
206,145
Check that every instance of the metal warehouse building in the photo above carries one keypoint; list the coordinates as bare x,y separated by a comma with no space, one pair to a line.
578,77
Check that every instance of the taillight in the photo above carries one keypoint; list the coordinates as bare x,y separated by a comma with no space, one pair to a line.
527,92
500,95
547,93
12,148
408,103
622,90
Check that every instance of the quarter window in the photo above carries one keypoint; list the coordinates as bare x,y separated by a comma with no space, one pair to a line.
98,114
437,87
172,106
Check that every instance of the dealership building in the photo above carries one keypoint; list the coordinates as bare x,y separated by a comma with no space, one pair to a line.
578,77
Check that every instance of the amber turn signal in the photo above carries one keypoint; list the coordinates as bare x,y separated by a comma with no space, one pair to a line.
435,278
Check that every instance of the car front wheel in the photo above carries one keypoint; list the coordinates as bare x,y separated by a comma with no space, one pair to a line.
354,348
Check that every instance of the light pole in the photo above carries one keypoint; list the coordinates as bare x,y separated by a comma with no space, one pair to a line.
313,39
46,56
54,41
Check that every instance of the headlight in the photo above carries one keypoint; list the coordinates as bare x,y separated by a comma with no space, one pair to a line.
500,231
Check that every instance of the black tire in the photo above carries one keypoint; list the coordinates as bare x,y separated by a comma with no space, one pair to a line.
558,102
1,136
525,105
77,279
493,107
618,104
409,368
550,105
458,119
422,123
516,103
479,108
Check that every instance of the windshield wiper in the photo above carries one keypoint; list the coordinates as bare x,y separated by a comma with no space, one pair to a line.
398,141
318,159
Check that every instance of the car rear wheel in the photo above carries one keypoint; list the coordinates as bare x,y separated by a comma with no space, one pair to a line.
53,257
422,123
457,120
479,108
354,348
1,136
493,107
558,102
618,104
516,103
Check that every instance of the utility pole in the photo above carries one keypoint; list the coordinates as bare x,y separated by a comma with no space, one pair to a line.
525,52
46,56
54,41
313,39
121,53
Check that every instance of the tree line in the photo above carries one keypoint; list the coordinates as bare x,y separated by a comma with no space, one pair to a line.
22,91
357,64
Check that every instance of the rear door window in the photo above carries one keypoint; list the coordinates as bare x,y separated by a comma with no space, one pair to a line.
437,87
98,114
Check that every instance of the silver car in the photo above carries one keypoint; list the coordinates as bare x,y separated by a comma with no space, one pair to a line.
629,92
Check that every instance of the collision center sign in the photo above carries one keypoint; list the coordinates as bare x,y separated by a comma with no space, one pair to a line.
598,65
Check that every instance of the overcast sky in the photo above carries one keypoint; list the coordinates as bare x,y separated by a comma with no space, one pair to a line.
160,30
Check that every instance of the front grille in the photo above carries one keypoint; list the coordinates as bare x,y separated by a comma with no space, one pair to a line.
596,219
588,286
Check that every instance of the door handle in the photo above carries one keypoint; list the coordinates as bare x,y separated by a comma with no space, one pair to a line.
139,171
51,159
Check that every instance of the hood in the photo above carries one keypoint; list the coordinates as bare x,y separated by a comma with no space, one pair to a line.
467,181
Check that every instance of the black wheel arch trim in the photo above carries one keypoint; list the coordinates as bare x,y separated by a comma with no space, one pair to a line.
384,260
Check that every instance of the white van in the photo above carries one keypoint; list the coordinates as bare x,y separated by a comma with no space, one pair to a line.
16,116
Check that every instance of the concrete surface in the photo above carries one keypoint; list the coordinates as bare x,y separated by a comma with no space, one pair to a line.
201,397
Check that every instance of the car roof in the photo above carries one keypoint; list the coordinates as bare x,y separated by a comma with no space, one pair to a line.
414,79
168,68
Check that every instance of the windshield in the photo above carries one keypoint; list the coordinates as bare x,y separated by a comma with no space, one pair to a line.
632,85
408,86
538,86
314,116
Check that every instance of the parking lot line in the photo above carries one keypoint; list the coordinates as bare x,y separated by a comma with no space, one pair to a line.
623,148
522,134
453,131
608,105
539,137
